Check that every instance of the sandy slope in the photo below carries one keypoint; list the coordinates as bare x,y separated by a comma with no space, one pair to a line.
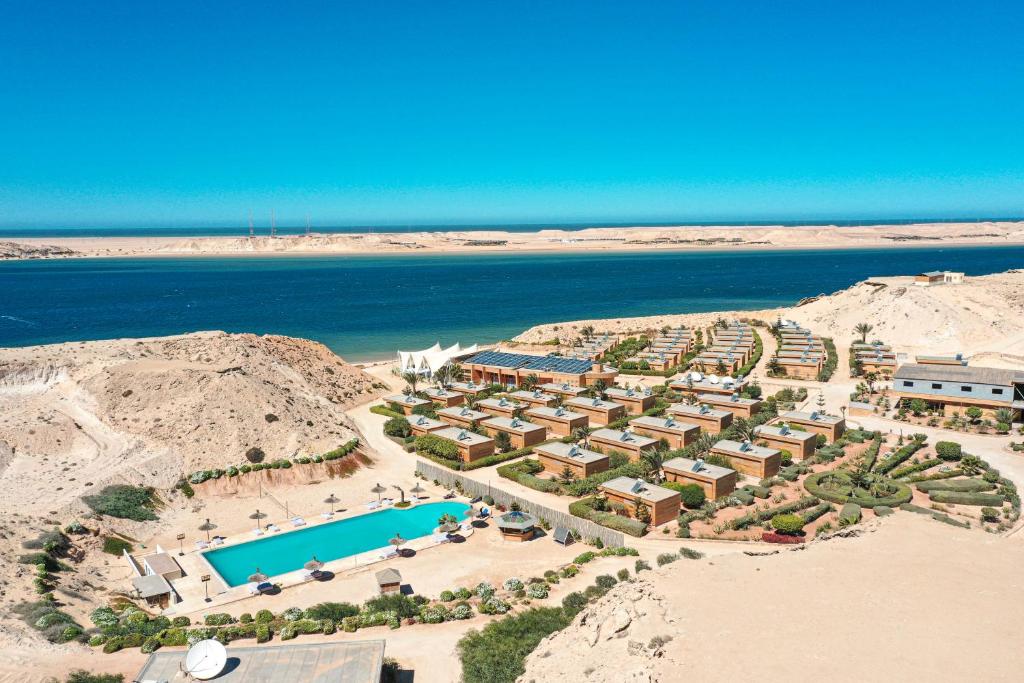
902,602
983,317
591,239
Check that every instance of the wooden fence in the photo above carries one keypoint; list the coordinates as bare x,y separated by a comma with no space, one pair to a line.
556,518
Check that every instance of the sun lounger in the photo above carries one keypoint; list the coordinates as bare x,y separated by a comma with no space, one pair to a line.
273,527
265,587
254,588
326,515
441,538
257,532
202,545
388,553
485,512
414,499
372,505
298,521
219,540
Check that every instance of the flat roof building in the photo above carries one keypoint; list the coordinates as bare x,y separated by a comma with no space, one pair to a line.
462,416
724,386
716,481
468,388
734,403
662,503
599,412
520,432
500,407
407,402
499,367
800,444
562,389
819,423
556,456
805,368
957,359
704,416
636,402
626,442
443,397
559,421
757,461
472,446
421,424
534,398
956,388
677,434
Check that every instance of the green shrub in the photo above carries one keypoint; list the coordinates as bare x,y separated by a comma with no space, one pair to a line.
882,510
82,676
692,496
816,512
180,622
496,654
605,581
386,412
946,519
218,619
949,451
967,498
573,603
585,557
335,611
850,514
124,502
264,616
666,558
757,491
585,508
899,457
787,523
961,485
397,426
116,546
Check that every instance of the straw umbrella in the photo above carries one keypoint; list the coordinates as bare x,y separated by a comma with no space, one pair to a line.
258,578
207,526
313,565
417,489
448,524
378,489
258,516
331,500
397,541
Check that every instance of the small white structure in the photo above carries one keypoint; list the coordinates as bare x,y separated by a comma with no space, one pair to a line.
429,361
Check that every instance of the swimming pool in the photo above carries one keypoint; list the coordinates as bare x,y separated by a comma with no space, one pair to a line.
287,552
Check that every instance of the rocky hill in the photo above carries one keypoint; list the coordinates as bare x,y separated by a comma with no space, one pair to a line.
17,250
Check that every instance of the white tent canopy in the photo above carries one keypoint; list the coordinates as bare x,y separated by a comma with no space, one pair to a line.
429,361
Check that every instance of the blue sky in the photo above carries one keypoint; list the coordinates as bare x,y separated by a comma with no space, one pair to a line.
128,113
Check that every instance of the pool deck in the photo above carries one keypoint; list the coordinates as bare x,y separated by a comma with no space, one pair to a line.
194,564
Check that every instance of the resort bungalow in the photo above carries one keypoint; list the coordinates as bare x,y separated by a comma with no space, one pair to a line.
467,388
152,578
559,421
562,389
757,461
498,367
816,346
500,407
817,356
709,361
407,402
734,403
636,402
654,361
534,398
472,446
598,411
955,388
938,277
444,397
677,434
662,503
421,424
803,368
521,433
556,456
716,481
627,442
726,386
877,363
958,359
799,444
818,423
704,416
462,416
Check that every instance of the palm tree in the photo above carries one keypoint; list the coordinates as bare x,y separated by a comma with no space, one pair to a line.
653,460
863,329
530,381
703,444
587,331
412,379
745,429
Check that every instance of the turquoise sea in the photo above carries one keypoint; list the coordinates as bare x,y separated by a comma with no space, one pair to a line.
281,553
366,307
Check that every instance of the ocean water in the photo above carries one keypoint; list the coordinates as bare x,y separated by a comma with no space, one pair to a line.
263,229
280,553
367,307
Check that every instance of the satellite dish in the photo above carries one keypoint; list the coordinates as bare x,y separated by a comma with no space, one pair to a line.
696,376
713,379
205,659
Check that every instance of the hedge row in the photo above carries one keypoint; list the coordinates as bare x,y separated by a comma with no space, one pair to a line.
386,412
849,514
588,486
915,468
871,454
961,485
200,476
935,476
816,512
899,457
812,484
523,472
584,508
759,516
967,498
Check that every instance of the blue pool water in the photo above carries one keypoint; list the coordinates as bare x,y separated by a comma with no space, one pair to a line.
367,307
287,552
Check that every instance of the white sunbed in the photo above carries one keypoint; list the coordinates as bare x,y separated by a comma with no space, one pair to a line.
414,499
218,540
273,527
388,553
441,538
202,545
298,521
257,532
253,588
326,515
373,505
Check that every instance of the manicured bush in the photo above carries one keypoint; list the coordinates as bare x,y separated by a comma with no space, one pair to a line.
757,491
585,508
769,537
946,519
218,619
787,523
692,496
899,457
882,510
849,514
816,512
961,485
949,451
967,498
264,616
386,412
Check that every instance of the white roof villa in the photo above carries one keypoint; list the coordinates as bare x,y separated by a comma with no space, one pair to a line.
429,361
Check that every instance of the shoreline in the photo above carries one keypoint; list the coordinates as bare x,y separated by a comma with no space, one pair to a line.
715,239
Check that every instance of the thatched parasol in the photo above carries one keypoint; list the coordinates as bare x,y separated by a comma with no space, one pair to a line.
331,500
207,526
378,489
397,541
314,565
417,489
258,516
258,577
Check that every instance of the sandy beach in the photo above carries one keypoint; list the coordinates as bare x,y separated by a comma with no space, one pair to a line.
590,239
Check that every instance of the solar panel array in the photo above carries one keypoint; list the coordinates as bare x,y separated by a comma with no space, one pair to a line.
522,361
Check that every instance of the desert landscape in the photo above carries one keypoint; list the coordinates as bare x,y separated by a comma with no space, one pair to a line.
79,417
590,239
